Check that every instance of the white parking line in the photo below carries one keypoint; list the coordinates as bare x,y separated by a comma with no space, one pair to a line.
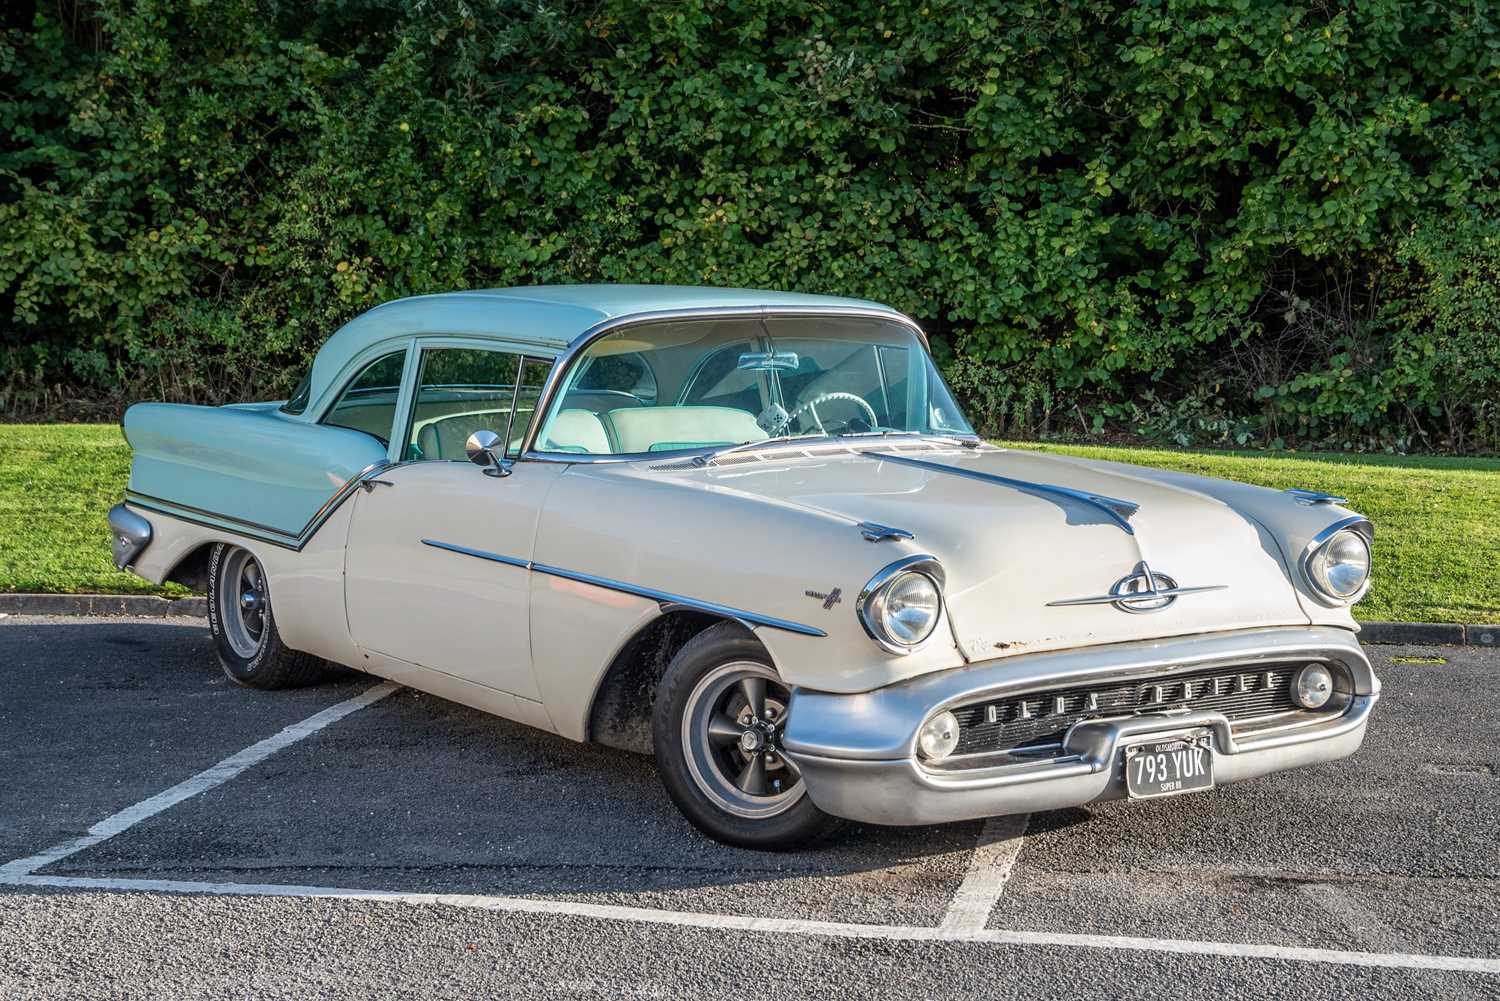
786,926
202,782
994,857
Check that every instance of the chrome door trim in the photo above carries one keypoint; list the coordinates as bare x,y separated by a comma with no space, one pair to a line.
664,598
1118,511
478,554
565,361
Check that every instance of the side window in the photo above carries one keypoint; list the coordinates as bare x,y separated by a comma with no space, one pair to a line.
368,403
463,390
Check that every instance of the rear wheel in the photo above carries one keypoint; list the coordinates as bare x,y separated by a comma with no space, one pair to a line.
244,626
717,725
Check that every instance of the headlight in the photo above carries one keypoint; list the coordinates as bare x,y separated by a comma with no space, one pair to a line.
1338,565
938,737
901,605
1313,687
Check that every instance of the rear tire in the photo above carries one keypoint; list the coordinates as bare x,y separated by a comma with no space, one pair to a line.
244,627
716,727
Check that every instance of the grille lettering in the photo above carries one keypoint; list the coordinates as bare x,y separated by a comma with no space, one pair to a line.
1044,717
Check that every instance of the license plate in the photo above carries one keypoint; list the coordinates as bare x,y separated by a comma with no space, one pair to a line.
1169,767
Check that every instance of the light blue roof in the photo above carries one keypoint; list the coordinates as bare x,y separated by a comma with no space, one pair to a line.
548,316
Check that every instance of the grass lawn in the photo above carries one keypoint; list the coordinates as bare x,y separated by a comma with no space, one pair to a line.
57,484
1437,519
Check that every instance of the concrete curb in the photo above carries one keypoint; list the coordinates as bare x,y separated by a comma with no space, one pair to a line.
101,604
1429,634
1410,633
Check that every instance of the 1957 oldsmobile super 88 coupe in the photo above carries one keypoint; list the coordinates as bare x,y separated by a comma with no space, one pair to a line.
752,533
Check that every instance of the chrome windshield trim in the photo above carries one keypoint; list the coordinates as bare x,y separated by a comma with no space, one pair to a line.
660,597
1118,511
565,360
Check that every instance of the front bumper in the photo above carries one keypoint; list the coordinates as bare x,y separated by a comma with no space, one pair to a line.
857,752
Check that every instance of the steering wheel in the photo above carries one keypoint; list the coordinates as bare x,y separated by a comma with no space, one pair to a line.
811,406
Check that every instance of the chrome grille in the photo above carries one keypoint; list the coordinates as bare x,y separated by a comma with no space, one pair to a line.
1041,717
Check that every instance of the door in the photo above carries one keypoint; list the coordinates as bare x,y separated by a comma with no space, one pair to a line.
435,570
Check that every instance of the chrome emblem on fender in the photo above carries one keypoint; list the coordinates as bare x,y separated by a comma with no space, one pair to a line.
1140,591
830,599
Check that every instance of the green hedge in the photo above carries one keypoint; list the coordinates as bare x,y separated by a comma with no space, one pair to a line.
1230,221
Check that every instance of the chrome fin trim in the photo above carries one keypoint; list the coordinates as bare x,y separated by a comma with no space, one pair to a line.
661,597
265,533
1116,510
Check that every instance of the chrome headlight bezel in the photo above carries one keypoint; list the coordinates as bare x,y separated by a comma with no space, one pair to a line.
870,609
1358,527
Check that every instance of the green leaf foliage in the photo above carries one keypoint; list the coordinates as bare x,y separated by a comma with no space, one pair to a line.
1235,221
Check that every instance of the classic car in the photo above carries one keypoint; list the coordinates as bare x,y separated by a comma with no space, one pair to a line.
752,534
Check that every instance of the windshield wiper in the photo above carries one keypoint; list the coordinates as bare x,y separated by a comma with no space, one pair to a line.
888,433
745,446
782,439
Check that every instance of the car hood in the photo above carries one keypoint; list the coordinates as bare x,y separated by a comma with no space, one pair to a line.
1012,545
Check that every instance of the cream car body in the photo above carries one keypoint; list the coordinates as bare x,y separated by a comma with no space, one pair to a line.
557,592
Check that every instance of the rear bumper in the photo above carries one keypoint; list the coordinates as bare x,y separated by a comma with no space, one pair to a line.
857,752
129,534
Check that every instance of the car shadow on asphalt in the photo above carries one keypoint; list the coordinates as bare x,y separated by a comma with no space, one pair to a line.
413,793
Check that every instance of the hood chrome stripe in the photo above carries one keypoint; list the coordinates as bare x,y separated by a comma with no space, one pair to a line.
1117,510
661,597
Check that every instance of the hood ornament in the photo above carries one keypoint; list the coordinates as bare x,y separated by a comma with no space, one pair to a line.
1140,591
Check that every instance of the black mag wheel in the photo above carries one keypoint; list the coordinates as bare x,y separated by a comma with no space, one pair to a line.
243,625
731,731
720,712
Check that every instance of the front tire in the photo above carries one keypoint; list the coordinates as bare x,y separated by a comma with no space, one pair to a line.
716,727
244,627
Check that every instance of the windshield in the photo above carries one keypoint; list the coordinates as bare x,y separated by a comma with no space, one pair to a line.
698,384
299,400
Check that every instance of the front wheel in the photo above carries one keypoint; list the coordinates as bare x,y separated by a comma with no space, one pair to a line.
717,724
244,627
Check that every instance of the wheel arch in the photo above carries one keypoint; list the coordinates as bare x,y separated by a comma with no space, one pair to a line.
191,569
620,710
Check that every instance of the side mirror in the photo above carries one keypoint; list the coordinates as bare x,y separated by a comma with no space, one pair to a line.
484,448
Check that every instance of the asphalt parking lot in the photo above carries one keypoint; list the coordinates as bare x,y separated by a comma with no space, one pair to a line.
164,833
